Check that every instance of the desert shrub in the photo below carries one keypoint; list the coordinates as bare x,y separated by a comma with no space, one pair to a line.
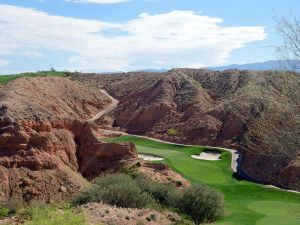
115,189
11,206
126,195
131,169
174,197
26,212
86,196
3,211
14,204
203,204
158,191
171,132
178,183
49,215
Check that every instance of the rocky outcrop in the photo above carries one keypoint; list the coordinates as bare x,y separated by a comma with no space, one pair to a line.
45,141
44,161
162,173
95,157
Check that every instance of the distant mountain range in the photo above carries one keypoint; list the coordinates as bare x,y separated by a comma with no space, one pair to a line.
153,70
267,65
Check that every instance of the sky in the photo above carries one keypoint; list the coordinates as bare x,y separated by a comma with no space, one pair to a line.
127,35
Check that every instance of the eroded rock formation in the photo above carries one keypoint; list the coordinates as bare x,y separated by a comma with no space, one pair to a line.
45,141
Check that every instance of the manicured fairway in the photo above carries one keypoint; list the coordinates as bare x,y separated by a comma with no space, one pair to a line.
248,203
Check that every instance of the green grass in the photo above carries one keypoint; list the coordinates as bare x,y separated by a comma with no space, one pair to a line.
50,215
7,78
247,203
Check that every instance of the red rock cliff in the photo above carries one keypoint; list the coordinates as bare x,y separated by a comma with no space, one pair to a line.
45,141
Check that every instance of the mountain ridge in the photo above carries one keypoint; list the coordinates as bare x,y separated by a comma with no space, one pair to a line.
280,65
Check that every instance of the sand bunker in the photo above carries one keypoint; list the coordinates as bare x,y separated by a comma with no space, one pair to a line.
149,157
208,155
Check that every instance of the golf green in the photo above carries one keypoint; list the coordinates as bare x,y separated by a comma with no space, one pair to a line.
247,203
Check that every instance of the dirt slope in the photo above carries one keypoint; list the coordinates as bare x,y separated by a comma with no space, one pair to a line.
45,141
255,112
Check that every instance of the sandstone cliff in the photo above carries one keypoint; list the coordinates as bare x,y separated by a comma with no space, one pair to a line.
45,141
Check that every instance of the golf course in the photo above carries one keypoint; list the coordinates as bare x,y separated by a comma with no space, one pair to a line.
247,203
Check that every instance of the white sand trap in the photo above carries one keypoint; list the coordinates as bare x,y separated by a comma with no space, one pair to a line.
149,157
208,155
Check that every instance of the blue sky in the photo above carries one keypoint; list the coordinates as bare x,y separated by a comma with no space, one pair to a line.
114,35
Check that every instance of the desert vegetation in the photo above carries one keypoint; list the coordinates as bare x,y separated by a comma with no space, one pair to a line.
171,132
37,213
200,203
54,215
10,207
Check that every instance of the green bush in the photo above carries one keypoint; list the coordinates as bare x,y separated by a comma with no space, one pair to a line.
11,206
86,196
3,211
158,191
115,189
171,132
174,197
131,169
203,204
14,204
49,215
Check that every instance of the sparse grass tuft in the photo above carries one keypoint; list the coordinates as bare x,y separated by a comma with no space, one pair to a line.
11,206
51,215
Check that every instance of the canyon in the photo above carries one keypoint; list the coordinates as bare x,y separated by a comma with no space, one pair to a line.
254,112
52,128
48,148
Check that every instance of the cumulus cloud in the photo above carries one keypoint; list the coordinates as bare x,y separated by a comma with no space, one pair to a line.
98,1
173,39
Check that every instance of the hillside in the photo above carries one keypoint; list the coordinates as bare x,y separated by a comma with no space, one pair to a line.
47,147
256,112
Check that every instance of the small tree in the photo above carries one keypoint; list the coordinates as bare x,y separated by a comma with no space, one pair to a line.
289,31
203,204
171,132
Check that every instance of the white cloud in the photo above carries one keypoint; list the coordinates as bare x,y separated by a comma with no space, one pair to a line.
4,62
174,39
98,1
